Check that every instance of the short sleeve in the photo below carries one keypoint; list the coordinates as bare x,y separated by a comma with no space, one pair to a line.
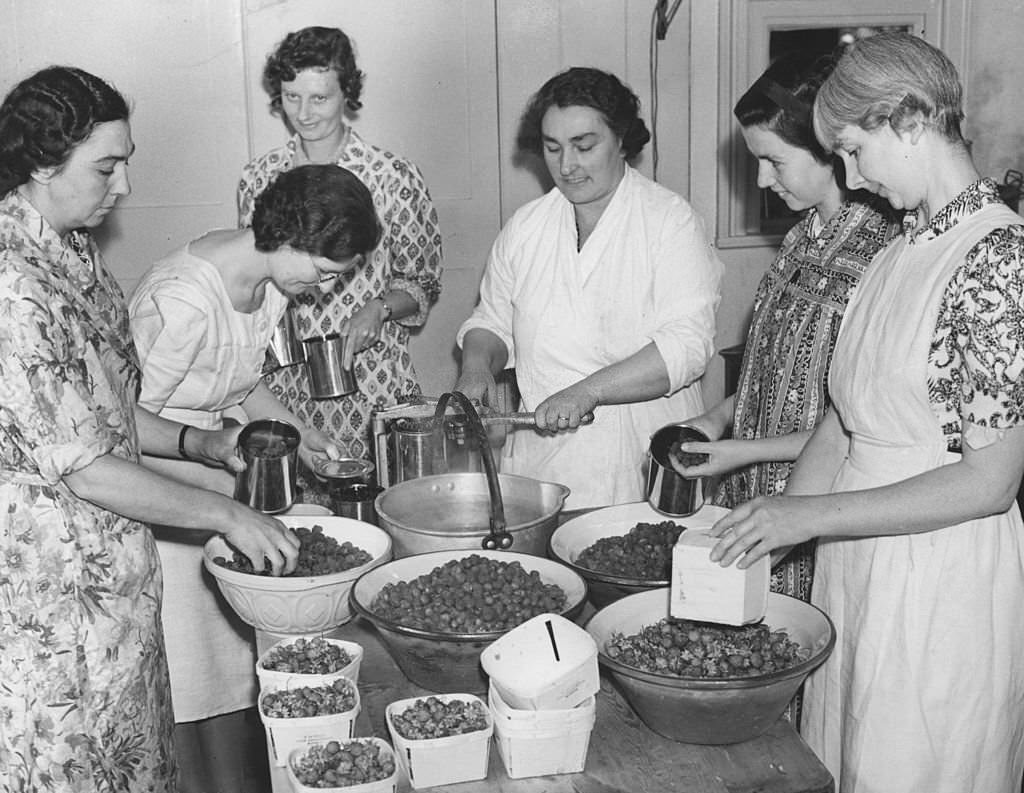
169,332
982,334
53,416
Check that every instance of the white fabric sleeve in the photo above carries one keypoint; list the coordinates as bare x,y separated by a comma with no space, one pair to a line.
169,333
687,291
493,311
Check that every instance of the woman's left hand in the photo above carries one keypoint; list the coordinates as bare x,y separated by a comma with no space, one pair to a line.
315,444
565,410
762,525
362,330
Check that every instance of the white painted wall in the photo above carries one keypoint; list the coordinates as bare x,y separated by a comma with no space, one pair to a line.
446,82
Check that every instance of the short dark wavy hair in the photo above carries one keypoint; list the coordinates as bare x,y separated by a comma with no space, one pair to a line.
47,115
313,48
323,210
782,99
587,87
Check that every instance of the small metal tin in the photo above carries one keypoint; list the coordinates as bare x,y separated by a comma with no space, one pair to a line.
667,491
327,377
269,449
349,487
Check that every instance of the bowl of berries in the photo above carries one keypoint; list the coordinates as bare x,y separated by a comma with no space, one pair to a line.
435,612
624,549
705,683
333,553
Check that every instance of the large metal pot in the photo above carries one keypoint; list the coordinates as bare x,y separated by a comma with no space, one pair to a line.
446,512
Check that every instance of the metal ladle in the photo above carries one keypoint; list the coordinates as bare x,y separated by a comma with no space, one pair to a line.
499,537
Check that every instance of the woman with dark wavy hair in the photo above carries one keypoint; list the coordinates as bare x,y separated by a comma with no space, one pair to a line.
601,294
202,319
84,699
313,83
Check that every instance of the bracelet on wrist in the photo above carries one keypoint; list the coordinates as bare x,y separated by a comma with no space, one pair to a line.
181,443
387,308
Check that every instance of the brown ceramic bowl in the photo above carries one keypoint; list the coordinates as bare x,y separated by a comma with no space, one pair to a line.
574,536
711,710
449,662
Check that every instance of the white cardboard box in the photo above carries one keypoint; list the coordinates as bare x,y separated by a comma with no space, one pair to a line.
705,591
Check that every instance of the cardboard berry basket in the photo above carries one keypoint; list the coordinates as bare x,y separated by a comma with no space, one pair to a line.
428,762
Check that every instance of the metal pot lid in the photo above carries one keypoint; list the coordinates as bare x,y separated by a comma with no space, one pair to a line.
343,468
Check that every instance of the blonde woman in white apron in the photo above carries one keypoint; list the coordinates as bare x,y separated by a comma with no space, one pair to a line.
920,558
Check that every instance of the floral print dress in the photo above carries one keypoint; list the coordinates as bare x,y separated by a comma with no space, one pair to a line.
408,258
84,695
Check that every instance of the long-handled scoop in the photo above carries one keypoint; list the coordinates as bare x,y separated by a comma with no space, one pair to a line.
524,419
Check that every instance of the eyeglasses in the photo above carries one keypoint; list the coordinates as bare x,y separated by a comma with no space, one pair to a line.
327,275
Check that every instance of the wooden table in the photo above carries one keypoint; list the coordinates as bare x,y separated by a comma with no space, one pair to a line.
624,755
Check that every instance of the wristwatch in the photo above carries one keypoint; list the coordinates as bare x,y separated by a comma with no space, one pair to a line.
387,308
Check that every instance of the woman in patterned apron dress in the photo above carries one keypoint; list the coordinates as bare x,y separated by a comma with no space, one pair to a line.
783,386
920,560
85,703
782,392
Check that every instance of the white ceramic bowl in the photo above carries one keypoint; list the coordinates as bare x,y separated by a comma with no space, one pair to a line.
450,662
298,605
574,536
711,710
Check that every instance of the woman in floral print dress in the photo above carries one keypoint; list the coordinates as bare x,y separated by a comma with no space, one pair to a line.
909,481
84,698
312,78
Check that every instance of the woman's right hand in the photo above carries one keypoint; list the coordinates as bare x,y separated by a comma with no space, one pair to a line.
722,457
262,537
216,447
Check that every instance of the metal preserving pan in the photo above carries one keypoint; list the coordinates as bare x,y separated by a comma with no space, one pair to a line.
446,512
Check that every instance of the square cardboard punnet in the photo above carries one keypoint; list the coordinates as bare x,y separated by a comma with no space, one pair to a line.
542,742
442,761
271,679
704,591
387,785
285,735
547,662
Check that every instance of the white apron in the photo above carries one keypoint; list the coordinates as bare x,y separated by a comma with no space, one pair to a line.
924,692
211,652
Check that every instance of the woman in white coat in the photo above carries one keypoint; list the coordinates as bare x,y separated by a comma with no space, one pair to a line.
909,482
601,293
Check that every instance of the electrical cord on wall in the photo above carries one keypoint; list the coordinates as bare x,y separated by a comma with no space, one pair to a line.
661,18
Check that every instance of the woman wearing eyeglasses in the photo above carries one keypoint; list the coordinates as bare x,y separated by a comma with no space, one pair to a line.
202,319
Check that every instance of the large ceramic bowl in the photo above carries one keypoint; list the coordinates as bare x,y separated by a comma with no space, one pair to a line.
711,710
449,662
574,536
298,605
444,512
